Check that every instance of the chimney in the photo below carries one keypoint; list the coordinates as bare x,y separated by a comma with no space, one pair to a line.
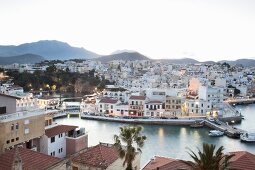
17,162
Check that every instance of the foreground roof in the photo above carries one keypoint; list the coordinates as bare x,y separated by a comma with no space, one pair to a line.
30,159
58,129
242,160
100,156
163,163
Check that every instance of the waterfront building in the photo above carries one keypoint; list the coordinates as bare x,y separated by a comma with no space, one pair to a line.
153,109
106,106
136,105
101,156
118,93
173,106
47,102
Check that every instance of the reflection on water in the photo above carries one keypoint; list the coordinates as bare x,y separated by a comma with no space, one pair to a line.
168,141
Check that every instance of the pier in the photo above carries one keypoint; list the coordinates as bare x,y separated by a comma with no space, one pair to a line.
241,101
228,130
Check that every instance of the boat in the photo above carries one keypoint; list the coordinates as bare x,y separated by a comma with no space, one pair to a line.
197,124
247,137
215,133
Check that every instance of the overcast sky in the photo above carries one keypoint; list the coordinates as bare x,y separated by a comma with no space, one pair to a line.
200,29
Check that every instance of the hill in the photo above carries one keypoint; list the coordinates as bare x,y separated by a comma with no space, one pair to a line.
131,56
179,61
49,49
243,62
21,59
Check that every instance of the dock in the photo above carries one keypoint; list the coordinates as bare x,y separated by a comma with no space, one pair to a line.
241,101
228,130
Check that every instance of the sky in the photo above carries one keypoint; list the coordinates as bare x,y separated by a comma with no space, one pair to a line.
200,29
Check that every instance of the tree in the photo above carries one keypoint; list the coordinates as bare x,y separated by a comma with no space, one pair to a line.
129,135
209,158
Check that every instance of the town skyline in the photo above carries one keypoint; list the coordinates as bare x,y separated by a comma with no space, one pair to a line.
203,30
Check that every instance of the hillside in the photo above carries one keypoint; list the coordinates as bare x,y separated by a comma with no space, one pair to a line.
49,49
179,61
21,59
243,62
123,56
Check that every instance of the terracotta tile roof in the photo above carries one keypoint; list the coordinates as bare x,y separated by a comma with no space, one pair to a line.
162,163
58,129
99,156
157,162
137,97
30,159
108,100
242,160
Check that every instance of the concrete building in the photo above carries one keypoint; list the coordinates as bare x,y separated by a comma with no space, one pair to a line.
63,140
136,105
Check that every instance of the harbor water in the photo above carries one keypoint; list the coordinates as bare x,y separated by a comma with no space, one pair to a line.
169,141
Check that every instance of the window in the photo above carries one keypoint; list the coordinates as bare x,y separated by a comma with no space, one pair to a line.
12,127
12,140
8,141
147,106
17,126
26,121
100,106
136,102
111,106
17,138
2,110
26,130
52,139
132,102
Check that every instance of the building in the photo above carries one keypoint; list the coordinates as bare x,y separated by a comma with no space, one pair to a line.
153,109
47,102
173,106
63,140
136,105
21,128
101,156
106,106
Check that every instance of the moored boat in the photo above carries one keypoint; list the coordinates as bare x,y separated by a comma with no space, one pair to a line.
247,137
215,133
197,124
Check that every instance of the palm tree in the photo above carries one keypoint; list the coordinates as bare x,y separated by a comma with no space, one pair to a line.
130,136
209,159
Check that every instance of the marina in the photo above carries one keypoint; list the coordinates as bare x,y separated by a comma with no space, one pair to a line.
168,141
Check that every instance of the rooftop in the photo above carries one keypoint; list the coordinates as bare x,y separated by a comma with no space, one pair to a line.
58,129
242,160
100,156
137,97
30,159
21,115
108,100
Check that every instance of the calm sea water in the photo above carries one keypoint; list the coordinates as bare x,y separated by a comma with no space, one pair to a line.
168,141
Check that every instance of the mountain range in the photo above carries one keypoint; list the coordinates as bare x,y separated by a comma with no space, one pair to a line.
50,50
57,50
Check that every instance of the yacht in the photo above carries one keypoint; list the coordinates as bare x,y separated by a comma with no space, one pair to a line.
215,133
247,137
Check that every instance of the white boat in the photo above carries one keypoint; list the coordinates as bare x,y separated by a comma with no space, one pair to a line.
247,137
215,133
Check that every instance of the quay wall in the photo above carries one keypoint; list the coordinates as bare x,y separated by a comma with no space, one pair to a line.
183,122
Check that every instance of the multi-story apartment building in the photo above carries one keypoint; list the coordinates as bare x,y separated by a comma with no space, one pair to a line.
173,105
153,109
21,128
106,106
136,105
